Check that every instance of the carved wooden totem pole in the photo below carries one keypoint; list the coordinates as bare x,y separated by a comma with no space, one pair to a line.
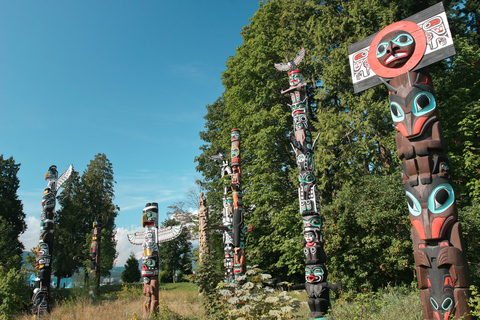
227,221
203,230
303,145
44,260
234,228
398,56
150,239
94,257
239,228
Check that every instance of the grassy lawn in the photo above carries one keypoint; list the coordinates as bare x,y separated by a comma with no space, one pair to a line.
181,301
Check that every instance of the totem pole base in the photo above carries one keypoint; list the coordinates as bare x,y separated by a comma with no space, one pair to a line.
150,291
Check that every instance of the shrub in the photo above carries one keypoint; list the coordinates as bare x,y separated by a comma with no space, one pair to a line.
14,293
256,298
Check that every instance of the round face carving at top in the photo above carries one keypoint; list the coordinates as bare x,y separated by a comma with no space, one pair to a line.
395,49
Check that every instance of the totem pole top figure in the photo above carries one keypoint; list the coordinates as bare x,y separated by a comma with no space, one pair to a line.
295,77
404,46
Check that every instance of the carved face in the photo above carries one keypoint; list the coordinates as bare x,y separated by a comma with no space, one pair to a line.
311,222
415,114
150,216
295,78
432,214
309,237
52,173
314,273
395,49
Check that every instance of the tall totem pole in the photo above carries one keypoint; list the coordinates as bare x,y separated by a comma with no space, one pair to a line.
203,230
398,56
41,292
233,223
227,220
150,239
317,287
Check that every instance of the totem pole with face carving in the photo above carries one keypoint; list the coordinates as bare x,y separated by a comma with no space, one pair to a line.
227,219
303,145
203,230
398,56
44,260
150,239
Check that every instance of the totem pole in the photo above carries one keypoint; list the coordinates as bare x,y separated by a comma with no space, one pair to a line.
94,257
317,287
239,228
398,56
44,260
150,239
227,226
204,232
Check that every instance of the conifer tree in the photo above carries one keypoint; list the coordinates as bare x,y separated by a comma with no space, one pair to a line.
132,272
12,217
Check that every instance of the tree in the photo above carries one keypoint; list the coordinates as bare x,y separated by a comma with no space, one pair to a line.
357,138
69,234
83,199
12,217
132,272
175,256
97,186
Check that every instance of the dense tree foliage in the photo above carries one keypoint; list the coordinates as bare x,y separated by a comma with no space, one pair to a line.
12,217
132,271
356,150
175,256
84,198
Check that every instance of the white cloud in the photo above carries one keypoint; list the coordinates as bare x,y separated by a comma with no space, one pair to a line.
30,237
124,247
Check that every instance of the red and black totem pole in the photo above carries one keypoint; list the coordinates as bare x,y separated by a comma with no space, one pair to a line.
239,229
233,227
41,293
398,56
317,287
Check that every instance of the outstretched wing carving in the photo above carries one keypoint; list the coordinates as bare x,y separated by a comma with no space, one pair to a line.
169,233
64,177
136,238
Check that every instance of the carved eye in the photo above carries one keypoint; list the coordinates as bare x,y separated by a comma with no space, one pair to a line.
413,204
403,40
434,303
382,49
316,222
318,272
447,303
441,198
423,103
396,112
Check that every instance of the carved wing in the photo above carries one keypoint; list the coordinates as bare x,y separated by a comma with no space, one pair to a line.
299,57
170,233
283,66
136,238
64,177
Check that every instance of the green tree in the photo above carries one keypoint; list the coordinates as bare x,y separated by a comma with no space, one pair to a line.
175,256
132,272
97,184
357,138
69,231
14,293
367,237
12,217
83,199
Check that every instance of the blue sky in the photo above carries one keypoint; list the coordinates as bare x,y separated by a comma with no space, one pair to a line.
128,78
